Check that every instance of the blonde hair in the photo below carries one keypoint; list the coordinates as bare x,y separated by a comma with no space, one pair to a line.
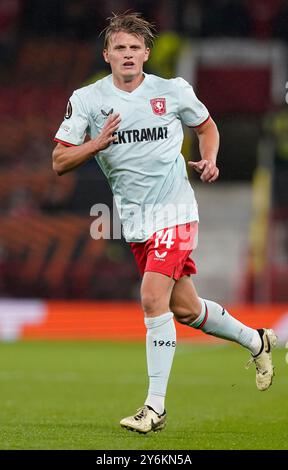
131,23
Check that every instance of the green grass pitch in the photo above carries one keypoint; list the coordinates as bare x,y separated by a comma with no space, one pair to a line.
71,395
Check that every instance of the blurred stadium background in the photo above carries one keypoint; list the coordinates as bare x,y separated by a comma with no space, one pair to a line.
235,54
56,282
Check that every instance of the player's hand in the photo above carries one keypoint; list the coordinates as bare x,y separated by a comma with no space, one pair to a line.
208,170
106,136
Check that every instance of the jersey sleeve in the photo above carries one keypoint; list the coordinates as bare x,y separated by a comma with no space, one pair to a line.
74,127
191,110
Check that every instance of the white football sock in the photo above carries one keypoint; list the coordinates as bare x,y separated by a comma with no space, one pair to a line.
160,349
156,402
216,321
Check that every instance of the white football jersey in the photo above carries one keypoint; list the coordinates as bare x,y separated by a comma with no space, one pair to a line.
144,166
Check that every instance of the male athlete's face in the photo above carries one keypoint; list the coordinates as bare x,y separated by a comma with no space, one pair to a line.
126,54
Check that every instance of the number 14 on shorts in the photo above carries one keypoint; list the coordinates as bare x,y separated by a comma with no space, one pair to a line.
164,237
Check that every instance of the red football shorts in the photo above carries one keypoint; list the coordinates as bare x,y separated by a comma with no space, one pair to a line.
168,251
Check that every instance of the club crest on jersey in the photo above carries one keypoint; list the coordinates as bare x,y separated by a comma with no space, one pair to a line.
106,114
158,106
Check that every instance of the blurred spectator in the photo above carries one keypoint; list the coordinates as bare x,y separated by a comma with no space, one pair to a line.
226,18
277,126
22,203
118,273
82,20
263,14
280,23
42,18
165,53
3,269
10,11
189,17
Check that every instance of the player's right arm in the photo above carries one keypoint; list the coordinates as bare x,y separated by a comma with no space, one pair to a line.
68,158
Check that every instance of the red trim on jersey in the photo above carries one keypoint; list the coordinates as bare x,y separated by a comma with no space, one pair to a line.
199,125
205,318
67,144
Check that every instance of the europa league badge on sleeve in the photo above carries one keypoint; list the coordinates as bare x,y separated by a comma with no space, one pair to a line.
68,112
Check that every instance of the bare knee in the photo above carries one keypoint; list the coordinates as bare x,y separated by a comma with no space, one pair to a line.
152,304
156,291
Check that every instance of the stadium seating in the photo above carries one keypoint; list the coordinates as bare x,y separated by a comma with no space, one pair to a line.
36,206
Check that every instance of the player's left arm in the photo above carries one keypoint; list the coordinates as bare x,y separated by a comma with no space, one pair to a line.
208,136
